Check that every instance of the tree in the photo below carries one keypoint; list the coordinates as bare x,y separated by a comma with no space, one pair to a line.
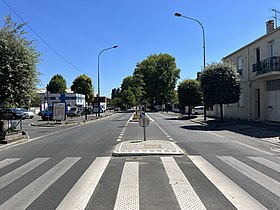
159,76
189,94
36,100
115,93
57,84
18,70
83,85
128,98
220,84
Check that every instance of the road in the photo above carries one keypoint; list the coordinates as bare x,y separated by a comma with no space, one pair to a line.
66,166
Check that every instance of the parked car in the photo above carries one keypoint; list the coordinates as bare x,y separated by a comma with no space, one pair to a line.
74,111
12,114
86,110
28,114
198,110
47,113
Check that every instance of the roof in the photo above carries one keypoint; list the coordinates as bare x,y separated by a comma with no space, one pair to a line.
253,42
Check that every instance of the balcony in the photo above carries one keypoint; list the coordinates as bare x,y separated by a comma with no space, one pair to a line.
268,67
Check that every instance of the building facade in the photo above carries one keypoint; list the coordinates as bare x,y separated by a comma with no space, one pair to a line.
259,66
71,99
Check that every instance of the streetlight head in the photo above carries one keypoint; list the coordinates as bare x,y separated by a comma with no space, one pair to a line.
178,14
115,46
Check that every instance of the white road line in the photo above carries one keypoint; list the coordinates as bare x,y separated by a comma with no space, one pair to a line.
79,195
267,163
235,194
261,179
185,194
8,161
171,139
254,148
128,193
17,173
119,139
27,195
215,134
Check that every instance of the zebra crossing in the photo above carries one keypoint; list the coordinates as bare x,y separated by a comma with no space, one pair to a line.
169,172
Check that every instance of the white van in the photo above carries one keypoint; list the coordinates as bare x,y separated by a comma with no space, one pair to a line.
198,110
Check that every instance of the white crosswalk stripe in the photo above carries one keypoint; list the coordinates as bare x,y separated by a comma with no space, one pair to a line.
260,178
17,173
127,191
80,194
7,162
187,198
267,163
236,195
26,196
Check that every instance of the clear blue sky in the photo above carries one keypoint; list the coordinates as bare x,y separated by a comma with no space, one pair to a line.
79,30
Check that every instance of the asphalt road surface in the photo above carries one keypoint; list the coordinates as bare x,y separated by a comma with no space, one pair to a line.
71,167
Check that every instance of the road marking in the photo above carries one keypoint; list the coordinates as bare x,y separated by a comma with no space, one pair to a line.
254,148
79,195
215,134
17,173
128,192
119,139
261,179
8,161
267,163
235,194
27,195
185,194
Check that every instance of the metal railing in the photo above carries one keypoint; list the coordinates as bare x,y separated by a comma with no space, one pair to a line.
268,65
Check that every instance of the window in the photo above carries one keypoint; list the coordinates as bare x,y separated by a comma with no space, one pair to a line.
239,65
258,55
241,101
272,49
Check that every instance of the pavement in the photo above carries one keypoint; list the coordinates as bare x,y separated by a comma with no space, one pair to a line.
264,131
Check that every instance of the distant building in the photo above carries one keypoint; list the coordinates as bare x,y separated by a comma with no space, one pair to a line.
70,98
259,66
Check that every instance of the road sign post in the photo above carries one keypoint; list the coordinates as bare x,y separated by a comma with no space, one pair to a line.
144,122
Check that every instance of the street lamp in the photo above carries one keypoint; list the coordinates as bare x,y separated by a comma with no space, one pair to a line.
203,36
98,96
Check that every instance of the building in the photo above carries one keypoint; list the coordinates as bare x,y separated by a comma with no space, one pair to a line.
71,99
259,66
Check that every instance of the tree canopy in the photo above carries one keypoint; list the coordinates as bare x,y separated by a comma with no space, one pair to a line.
18,65
158,75
57,84
189,94
220,84
83,85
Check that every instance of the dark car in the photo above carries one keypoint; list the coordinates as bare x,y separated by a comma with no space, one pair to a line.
47,114
12,114
74,111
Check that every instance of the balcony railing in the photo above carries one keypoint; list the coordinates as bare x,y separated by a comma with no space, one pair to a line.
268,65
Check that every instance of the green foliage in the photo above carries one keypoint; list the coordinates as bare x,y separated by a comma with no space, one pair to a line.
189,93
18,60
115,93
83,85
220,84
117,102
128,98
57,84
36,100
157,76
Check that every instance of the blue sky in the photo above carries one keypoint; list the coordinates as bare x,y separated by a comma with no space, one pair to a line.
80,29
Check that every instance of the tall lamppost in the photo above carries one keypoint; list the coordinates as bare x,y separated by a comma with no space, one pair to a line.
204,53
98,78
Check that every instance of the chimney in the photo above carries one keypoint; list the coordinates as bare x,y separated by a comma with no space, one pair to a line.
269,26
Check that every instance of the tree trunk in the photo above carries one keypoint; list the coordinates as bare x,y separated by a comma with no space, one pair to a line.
222,114
189,111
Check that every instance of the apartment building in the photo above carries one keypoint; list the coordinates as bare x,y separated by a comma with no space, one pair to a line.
259,66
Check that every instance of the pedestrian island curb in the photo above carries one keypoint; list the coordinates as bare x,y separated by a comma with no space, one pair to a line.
149,147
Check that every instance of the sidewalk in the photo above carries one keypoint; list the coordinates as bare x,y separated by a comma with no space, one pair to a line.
265,131
71,120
